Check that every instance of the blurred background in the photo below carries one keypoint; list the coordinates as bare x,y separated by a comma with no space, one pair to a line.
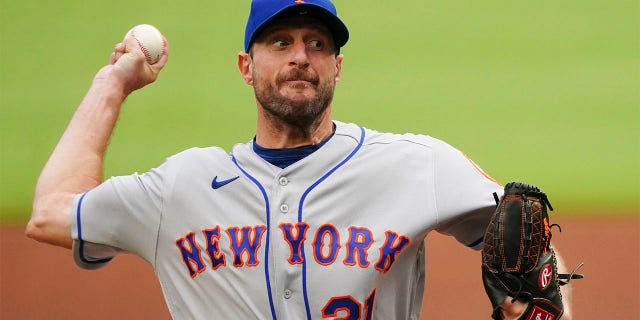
545,92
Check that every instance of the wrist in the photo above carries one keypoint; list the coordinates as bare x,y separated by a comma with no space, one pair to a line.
103,98
113,90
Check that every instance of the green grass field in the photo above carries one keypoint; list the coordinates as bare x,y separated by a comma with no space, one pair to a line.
544,92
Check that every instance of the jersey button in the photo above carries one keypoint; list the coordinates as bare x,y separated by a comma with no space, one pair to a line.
283,181
284,208
287,294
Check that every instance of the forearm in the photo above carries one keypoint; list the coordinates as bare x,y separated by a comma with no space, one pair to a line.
75,164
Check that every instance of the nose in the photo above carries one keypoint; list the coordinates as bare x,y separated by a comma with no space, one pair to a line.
299,56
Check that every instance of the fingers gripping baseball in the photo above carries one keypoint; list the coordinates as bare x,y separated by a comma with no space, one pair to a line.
129,65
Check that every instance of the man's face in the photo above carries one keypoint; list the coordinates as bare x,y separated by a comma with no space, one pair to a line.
294,69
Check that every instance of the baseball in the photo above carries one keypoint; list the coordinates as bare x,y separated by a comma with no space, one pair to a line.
150,41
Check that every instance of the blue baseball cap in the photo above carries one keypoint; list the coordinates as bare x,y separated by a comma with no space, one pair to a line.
265,11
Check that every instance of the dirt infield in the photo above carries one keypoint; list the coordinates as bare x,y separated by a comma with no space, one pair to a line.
41,282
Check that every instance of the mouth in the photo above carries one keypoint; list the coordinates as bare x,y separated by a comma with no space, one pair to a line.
299,78
298,83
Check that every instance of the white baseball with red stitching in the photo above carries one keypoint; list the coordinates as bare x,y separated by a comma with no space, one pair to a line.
150,41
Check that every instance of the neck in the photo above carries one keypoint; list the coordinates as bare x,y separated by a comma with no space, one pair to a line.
274,133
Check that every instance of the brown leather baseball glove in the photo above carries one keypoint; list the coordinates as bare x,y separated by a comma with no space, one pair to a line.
517,259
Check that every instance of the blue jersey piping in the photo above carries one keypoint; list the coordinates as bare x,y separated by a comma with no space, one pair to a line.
304,196
266,251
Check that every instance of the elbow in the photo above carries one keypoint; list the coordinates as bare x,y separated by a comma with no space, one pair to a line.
32,231
50,224
36,228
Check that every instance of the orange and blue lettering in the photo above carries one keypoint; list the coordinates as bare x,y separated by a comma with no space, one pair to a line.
324,232
392,246
213,250
295,242
249,240
360,239
191,254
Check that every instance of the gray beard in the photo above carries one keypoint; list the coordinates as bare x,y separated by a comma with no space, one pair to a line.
302,114
299,114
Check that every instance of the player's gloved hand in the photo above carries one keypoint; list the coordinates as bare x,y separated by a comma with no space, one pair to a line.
518,262
128,70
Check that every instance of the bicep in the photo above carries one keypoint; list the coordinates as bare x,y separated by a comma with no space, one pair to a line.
464,196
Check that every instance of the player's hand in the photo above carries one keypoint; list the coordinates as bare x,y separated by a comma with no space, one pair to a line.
128,70
512,310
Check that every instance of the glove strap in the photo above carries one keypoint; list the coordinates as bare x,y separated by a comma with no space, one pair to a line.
564,278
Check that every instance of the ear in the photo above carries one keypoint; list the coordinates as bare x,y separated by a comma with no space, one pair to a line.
339,59
244,65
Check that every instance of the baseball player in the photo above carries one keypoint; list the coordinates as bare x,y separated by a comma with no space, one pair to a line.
312,218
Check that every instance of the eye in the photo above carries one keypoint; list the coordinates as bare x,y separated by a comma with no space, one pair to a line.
280,43
316,44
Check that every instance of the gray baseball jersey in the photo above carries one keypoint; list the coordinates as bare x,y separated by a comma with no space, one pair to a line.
338,234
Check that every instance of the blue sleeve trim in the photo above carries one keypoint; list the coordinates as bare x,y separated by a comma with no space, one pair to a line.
475,243
81,242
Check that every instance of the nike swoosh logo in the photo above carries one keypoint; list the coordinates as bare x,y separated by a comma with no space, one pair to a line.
215,184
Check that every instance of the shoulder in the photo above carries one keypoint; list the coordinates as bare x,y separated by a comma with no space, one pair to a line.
198,153
194,159
373,138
